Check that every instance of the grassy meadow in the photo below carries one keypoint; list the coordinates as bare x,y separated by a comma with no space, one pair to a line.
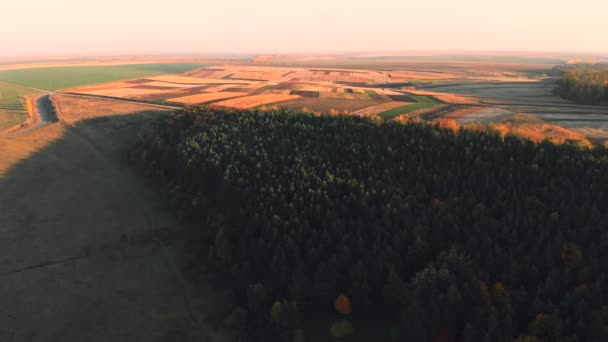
55,78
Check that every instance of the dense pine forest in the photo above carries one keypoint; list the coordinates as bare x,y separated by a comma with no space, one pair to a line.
455,236
584,83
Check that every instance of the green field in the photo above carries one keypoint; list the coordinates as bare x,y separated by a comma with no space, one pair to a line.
370,92
421,102
55,78
12,109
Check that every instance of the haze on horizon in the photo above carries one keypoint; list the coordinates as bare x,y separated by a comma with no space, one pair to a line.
63,27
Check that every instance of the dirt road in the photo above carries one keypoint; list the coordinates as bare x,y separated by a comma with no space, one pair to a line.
87,250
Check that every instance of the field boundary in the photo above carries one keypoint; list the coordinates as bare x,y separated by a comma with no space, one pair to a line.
30,109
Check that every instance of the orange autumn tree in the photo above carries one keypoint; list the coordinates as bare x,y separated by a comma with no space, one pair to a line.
343,305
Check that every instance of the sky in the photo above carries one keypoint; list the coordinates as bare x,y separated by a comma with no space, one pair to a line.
64,27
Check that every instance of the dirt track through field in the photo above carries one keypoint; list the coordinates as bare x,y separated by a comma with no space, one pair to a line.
88,253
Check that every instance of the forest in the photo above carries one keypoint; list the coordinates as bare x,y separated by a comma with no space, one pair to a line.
583,83
452,235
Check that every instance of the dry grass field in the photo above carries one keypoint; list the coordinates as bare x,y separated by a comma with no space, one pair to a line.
328,105
537,130
206,97
80,237
255,100
128,92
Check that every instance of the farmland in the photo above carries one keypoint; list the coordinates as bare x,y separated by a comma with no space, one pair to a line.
421,103
54,78
317,90
243,104
12,107
256,100
468,92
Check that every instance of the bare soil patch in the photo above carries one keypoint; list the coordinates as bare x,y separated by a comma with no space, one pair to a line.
206,97
256,100
326,105
195,80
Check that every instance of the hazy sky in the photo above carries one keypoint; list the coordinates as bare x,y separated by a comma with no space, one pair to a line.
281,26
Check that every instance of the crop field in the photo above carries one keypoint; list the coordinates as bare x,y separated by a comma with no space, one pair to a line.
255,100
329,105
421,102
206,97
54,78
12,107
318,90
380,108
385,88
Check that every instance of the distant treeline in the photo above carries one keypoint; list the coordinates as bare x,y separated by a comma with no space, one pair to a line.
584,83
456,236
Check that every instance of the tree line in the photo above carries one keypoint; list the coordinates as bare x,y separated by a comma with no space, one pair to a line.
583,83
457,236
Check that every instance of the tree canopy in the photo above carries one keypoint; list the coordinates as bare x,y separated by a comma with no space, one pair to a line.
464,235
584,83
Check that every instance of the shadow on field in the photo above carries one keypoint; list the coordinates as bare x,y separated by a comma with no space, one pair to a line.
88,252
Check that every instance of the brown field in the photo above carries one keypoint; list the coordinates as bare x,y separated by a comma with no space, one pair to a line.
166,84
319,105
346,96
73,109
479,115
194,80
256,100
205,97
132,92
105,86
448,98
